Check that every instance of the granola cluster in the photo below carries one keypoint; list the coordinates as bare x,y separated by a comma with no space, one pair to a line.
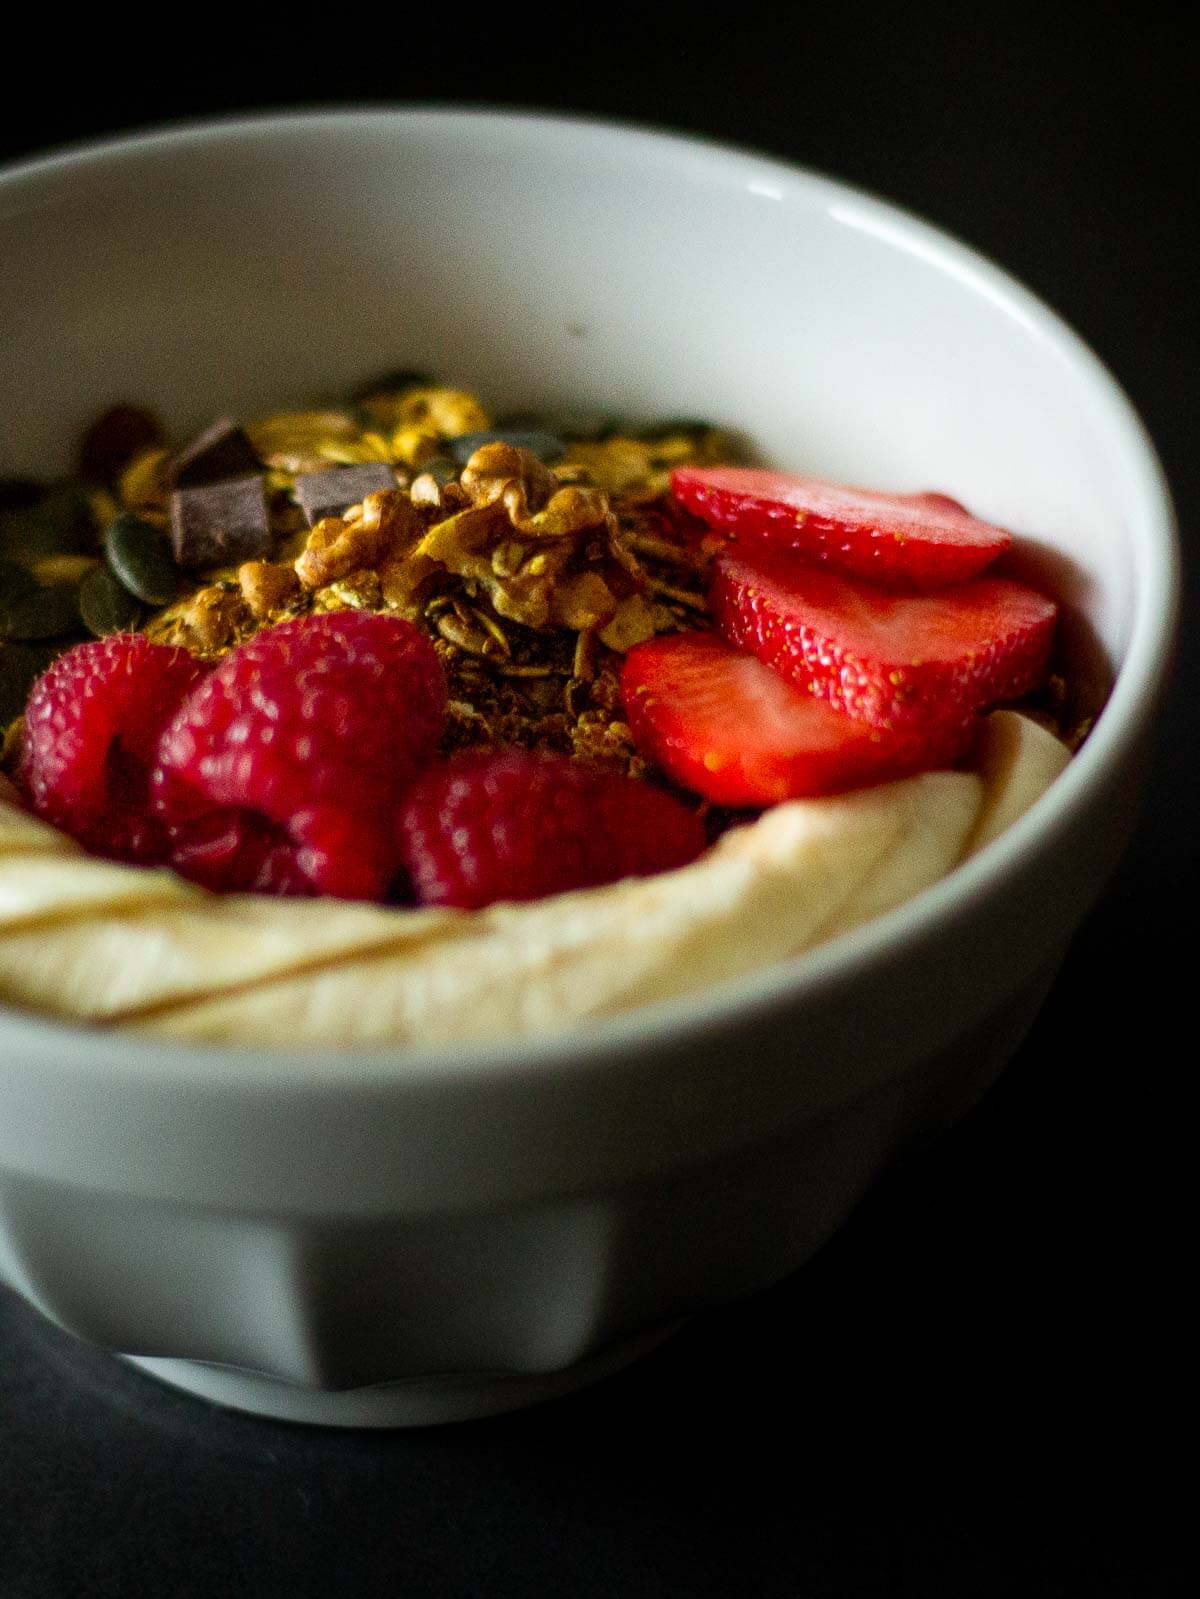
533,577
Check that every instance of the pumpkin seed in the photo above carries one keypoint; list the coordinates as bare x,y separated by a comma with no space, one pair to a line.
18,493
35,613
59,523
441,469
14,579
58,570
544,445
20,666
105,606
691,427
140,557
584,427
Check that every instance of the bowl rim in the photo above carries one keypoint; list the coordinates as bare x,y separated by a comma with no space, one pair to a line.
1139,685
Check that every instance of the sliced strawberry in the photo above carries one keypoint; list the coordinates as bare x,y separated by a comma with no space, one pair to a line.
913,661
920,541
725,725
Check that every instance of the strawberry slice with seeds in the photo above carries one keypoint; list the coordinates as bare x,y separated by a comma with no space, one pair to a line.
898,661
728,727
918,541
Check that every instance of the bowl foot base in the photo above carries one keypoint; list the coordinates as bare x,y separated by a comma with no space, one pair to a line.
416,1402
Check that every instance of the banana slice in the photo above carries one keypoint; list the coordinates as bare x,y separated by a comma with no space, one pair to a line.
125,961
22,834
938,814
48,887
762,893
1018,759
111,944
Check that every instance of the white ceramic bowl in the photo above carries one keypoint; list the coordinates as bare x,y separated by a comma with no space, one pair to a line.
374,1238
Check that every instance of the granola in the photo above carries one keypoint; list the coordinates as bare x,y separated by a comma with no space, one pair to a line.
532,579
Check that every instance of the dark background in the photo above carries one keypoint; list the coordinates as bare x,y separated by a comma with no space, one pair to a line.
981,1386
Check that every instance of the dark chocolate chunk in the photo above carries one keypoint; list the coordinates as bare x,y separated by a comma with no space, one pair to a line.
114,439
220,524
544,445
221,451
329,493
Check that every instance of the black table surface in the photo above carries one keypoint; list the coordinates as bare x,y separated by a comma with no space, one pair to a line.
980,1386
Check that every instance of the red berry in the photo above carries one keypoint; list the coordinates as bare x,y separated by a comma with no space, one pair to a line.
283,772
91,730
921,541
729,727
514,826
911,662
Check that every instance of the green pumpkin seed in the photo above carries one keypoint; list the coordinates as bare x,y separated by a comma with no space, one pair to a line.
14,579
579,427
105,605
35,613
59,523
140,558
691,427
441,469
20,666
19,493
392,383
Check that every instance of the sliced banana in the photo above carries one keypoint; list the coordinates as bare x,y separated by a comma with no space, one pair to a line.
762,893
937,813
51,887
1017,759
109,967
22,834
113,944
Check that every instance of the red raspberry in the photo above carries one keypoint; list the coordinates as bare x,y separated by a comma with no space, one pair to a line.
92,726
282,773
513,826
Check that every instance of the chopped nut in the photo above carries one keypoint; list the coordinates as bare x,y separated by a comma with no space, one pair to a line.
357,591
445,413
337,546
210,622
500,471
414,445
633,624
268,587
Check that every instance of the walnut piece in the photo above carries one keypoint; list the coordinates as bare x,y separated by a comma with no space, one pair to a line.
268,587
212,620
386,524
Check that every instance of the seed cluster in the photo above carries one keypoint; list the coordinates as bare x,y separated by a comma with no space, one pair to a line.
535,548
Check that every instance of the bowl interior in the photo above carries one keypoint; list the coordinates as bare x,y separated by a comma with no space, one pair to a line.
249,266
